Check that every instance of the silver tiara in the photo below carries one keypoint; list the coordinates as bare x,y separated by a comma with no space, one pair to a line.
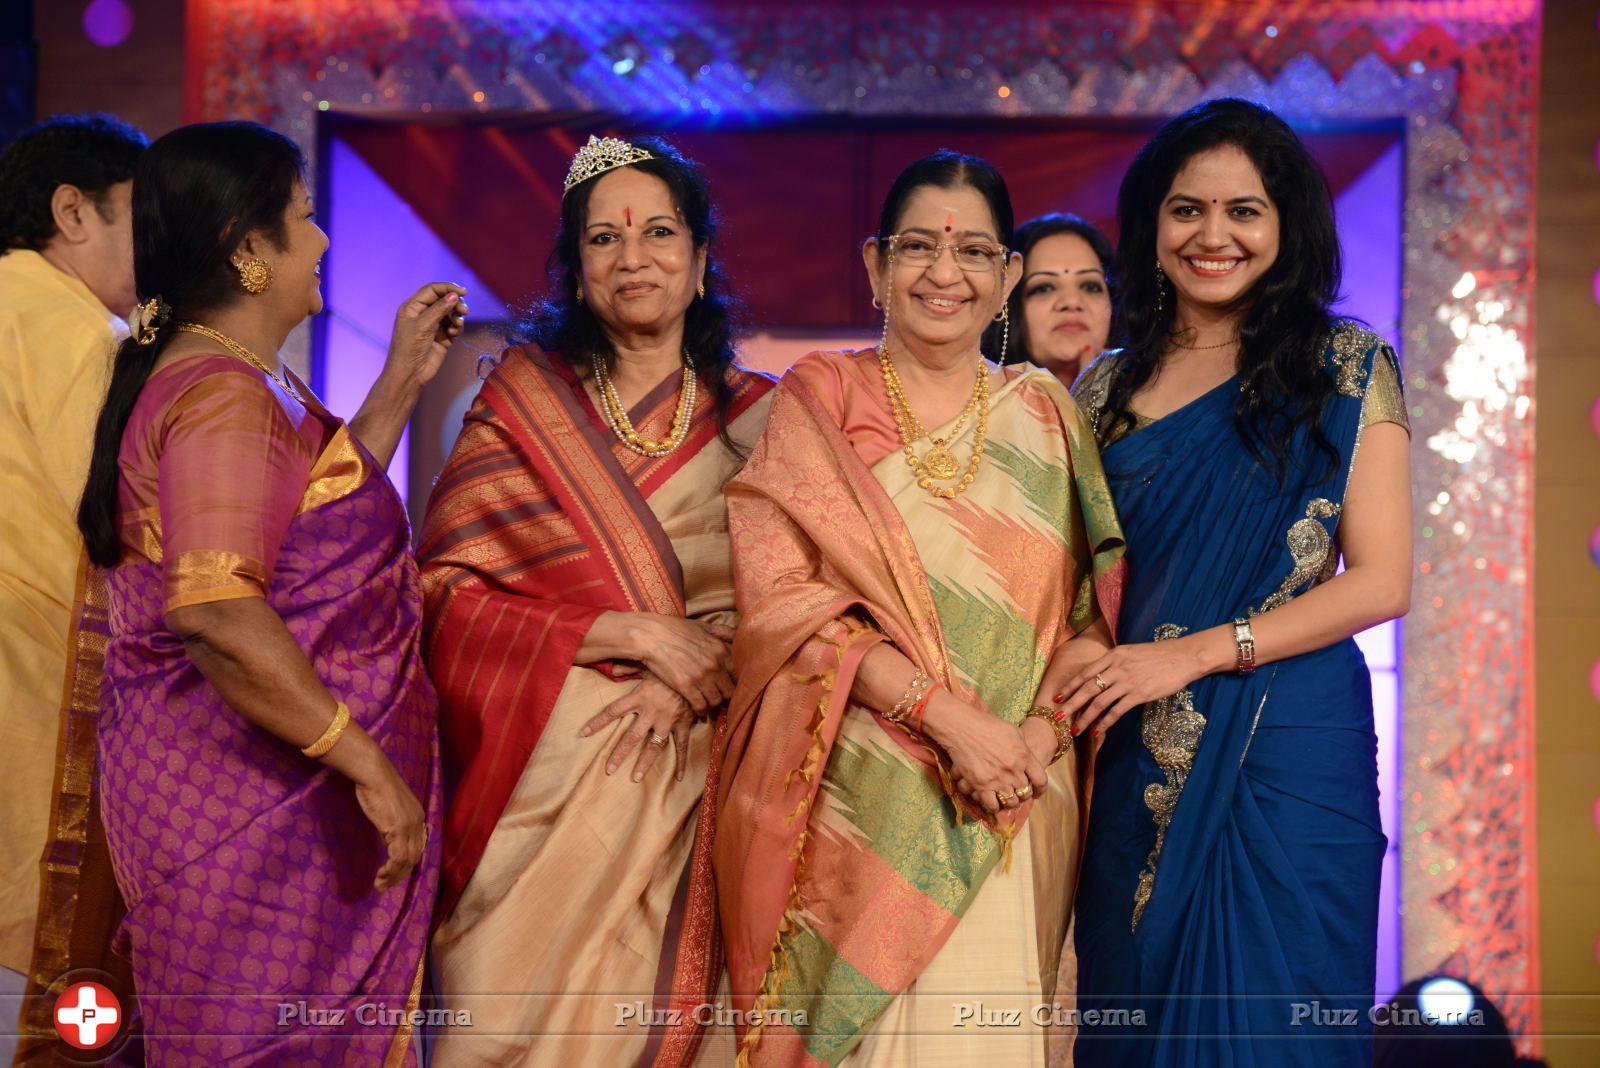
601,154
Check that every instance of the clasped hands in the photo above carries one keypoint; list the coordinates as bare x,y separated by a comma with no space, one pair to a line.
999,765
688,673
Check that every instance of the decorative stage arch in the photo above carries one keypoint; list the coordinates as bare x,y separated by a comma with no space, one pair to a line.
1461,75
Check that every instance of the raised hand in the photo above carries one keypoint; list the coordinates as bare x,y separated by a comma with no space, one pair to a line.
424,327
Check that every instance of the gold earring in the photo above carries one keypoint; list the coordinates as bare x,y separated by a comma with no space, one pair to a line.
700,288
1161,288
578,292
255,276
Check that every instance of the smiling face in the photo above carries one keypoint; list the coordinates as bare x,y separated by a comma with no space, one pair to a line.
940,303
639,263
298,269
1218,231
1065,303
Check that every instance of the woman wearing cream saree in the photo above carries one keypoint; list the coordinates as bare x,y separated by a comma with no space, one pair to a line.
575,562
899,823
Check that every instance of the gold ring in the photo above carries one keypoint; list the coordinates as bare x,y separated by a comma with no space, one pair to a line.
657,740
1100,681
1025,791
1004,799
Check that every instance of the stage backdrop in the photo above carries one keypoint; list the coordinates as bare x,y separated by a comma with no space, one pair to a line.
1460,75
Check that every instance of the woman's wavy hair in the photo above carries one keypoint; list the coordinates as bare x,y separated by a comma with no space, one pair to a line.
1286,320
196,193
1030,234
560,323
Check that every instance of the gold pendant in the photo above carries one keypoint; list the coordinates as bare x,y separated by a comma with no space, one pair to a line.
941,463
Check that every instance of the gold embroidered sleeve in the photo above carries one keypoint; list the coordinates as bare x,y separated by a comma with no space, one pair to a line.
233,466
1385,401
1091,388
200,576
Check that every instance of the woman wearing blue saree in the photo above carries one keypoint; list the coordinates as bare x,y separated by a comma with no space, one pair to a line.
1229,893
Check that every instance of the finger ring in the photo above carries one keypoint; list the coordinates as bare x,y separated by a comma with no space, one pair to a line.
1100,681
1025,791
657,740
1005,799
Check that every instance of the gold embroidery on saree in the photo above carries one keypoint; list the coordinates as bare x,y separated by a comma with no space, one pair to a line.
1090,392
143,529
338,472
74,828
1171,730
1385,401
1350,346
1313,551
202,575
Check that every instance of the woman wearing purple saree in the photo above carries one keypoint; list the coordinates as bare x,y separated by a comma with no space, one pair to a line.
268,757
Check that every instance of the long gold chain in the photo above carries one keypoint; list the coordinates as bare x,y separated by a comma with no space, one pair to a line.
236,349
617,415
939,463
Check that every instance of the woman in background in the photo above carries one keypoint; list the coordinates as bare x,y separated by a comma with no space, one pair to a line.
1063,308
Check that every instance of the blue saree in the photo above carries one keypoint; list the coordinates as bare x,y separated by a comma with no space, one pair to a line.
1229,893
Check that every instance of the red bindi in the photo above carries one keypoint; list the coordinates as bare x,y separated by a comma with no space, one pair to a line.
949,221
627,216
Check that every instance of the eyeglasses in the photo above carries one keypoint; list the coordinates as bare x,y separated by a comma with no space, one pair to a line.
917,251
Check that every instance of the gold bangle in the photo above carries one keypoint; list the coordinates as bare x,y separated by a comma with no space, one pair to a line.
328,738
1064,737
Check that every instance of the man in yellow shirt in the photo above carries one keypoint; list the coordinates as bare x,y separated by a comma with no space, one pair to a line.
66,281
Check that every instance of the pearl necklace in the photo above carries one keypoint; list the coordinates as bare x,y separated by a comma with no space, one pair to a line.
617,416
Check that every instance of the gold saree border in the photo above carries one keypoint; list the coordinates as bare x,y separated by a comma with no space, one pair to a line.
75,844
338,472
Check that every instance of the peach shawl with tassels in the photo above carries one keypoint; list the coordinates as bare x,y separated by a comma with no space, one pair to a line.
825,568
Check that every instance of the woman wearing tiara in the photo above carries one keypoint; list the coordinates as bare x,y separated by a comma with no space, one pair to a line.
580,605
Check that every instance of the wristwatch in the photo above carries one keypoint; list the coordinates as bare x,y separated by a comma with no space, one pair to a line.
1244,641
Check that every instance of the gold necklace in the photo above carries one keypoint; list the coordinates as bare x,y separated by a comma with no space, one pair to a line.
617,415
939,463
236,349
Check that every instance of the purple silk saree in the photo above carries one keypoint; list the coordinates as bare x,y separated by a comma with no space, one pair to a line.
254,931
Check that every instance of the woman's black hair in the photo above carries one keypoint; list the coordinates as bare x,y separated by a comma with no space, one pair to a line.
1286,321
950,170
1030,234
196,193
560,323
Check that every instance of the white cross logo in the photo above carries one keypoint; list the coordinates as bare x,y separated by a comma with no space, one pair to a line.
87,1013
